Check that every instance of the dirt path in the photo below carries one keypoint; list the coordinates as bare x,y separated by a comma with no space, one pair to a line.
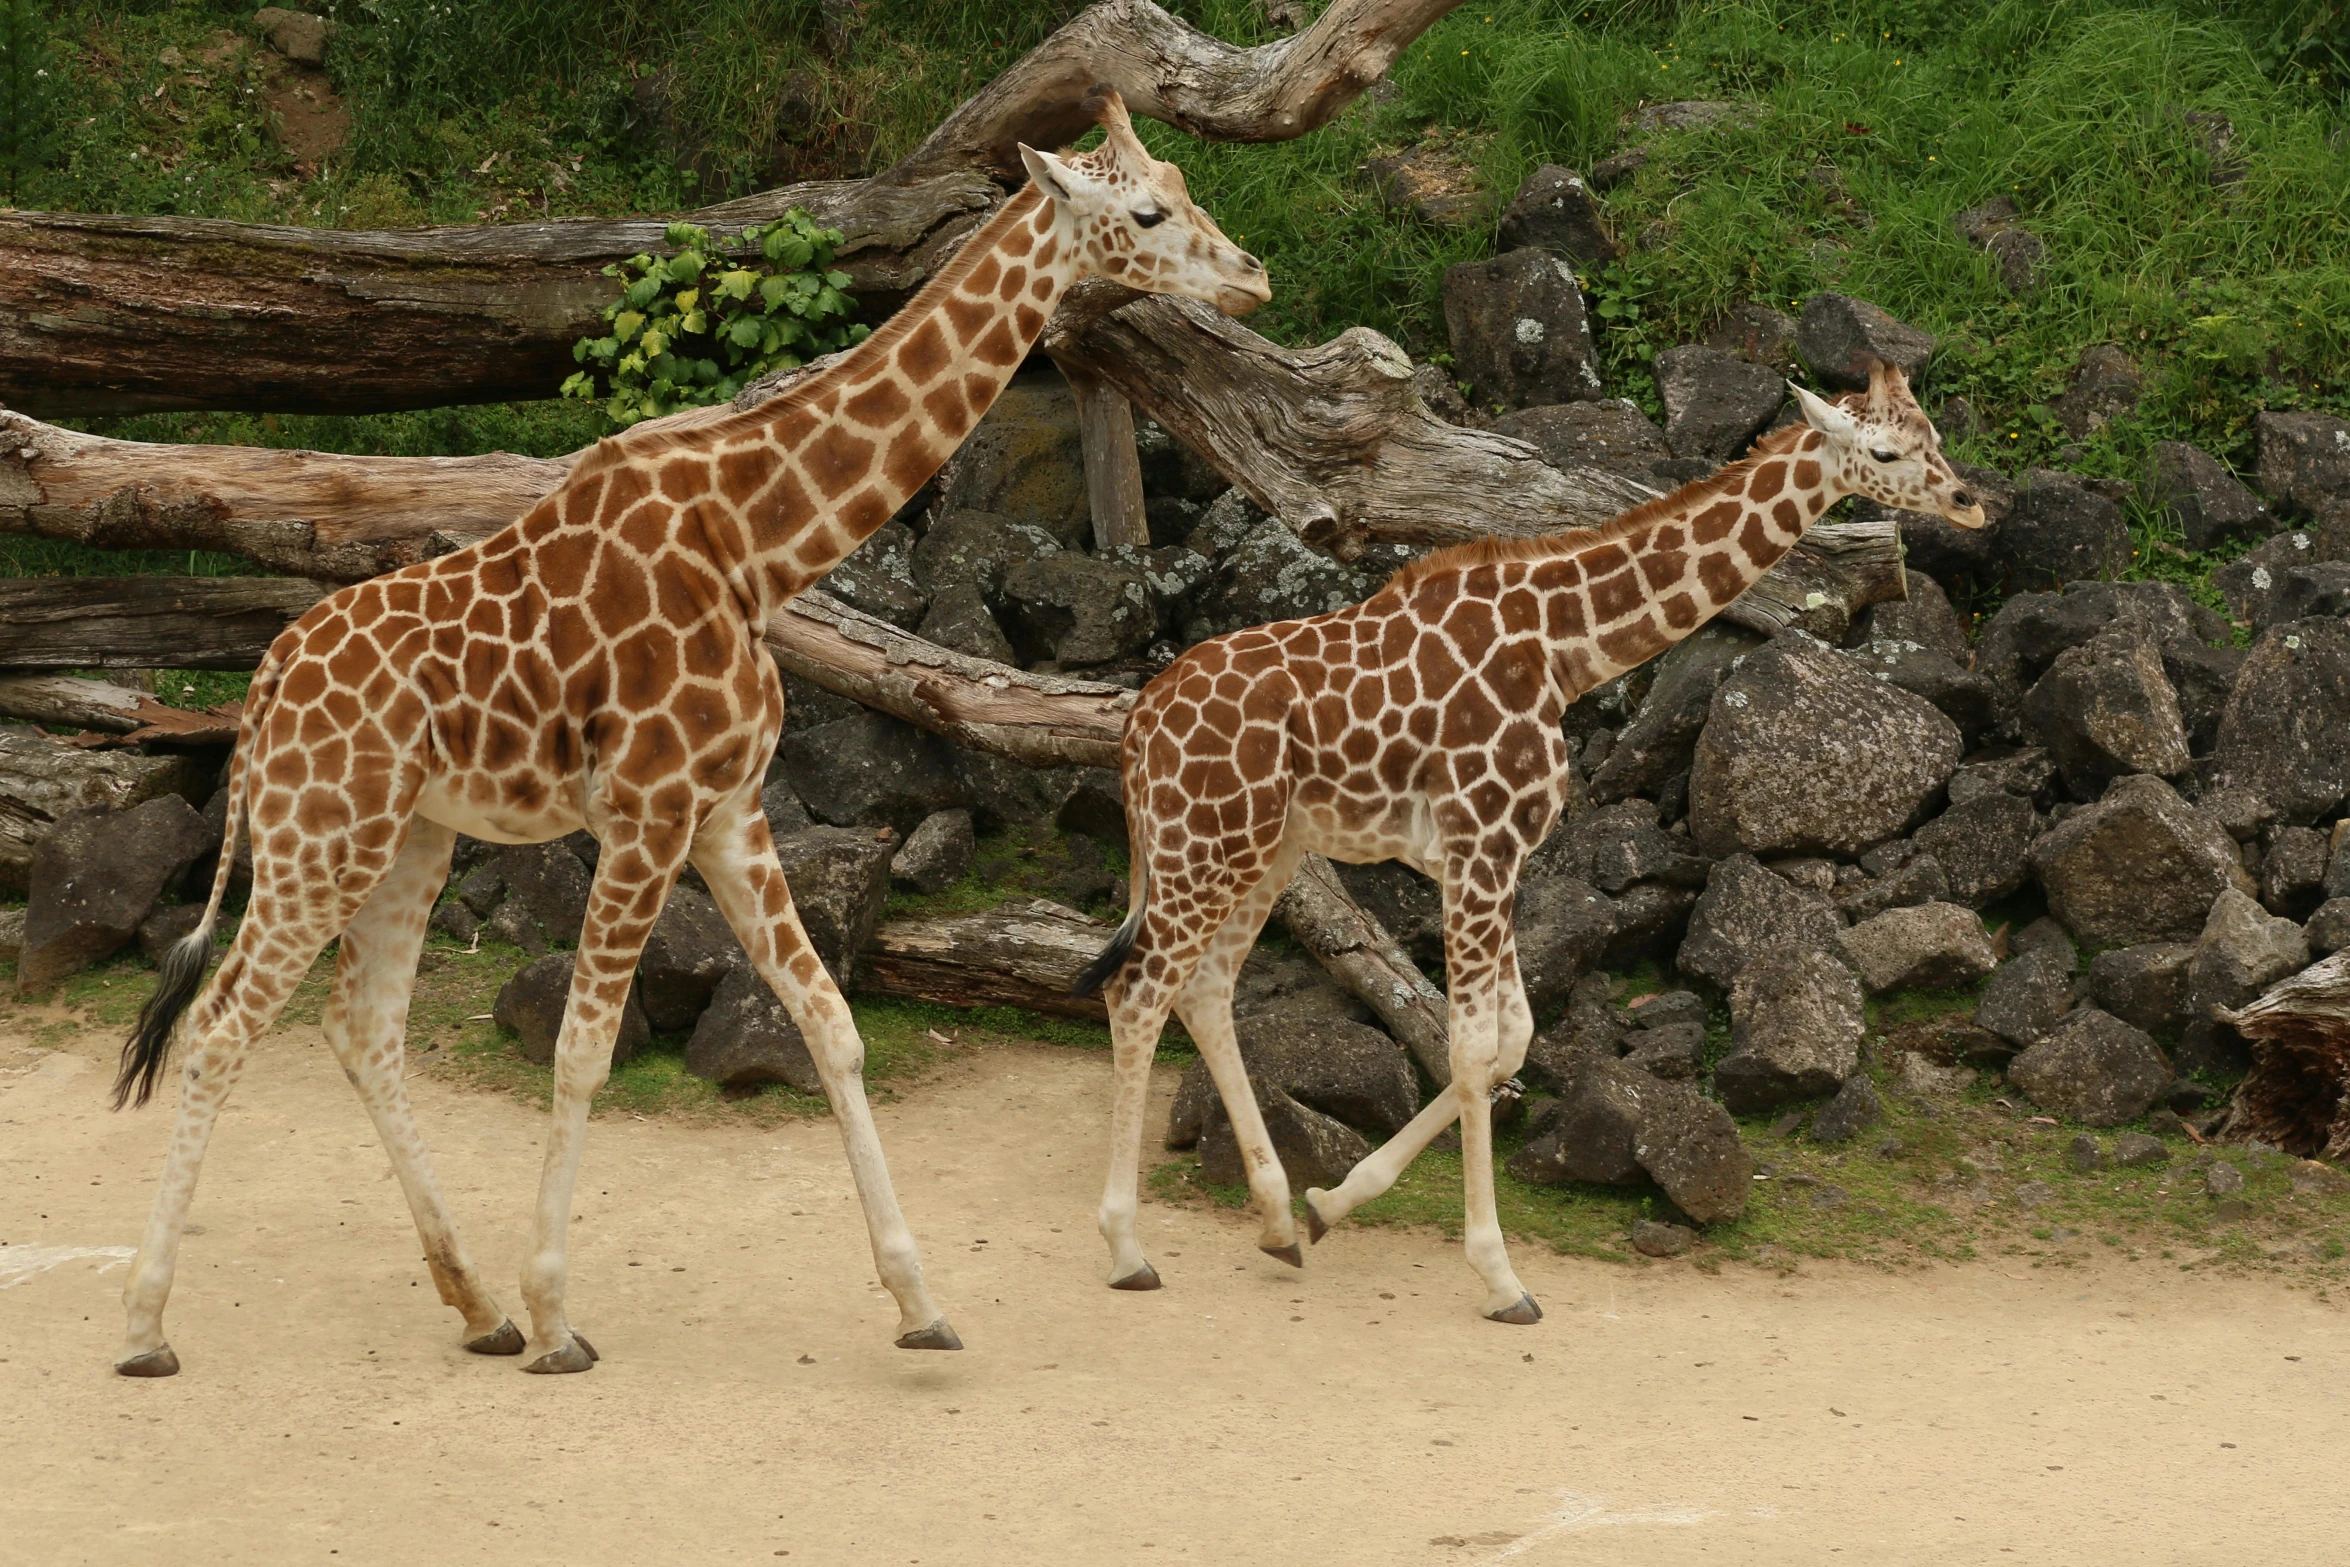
749,1406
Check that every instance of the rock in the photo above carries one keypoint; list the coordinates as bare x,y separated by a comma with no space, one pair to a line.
745,1038
2031,1194
159,932
878,577
1003,792
958,618
1271,574
1695,114
1795,1027
2249,583
1430,181
1273,983
44,781
2033,629
1757,334
2146,986
297,35
2312,1179
1958,693
1607,433
1918,879
2304,460
2059,529
1589,1132
1438,391
2084,1156
1981,844
1096,807
1025,463
782,808
1078,611
936,854
1914,1074
1802,752
1518,330
2285,732
2328,929
2140,865
2028,996
2023,771
2205,501
1651,919
94,880
2293,872
2223,1179
1689,1146
452,919
532,1004
1932,946
2137,1151
2106,708
2242,951
2312,592
871,771
1669,1009
1944,550
1174,577
2015,250
1563,925
839,879
547,884
1344,1068
1661,739
2093,1068
691,950
481,889
2104,388
1555,211
1746,913
1645,853
1314,1149
1172,468
1838,334
1651,1238
1590,1031
1853,1111
1672,1051
976,549
1923,617
511,924
1715,404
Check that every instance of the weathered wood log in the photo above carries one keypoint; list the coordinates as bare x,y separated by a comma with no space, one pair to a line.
2297,1094
1019,955
104,315
43,781
147,622
1357,951
133,716
1113,467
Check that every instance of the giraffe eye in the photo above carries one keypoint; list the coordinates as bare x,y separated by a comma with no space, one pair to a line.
1886,456
1149,218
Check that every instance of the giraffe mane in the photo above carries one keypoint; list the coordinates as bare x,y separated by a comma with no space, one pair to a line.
1495,548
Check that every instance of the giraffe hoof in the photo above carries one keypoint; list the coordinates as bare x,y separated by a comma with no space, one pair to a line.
1145,1277
504,1339
936,1336
577,1355
157,1362
1316,1228
1524,1314
1291,1254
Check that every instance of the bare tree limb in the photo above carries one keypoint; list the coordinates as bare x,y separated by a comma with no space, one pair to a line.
133,716
1357,951
147,622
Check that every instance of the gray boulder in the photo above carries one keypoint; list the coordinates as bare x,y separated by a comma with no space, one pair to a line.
1660,740
936,854
547,884
94,879
2104,387
2145,985
1918,879
1518,329
1078,611
1025,462
976,549
1796,1022
1563,925
839,879
159,932
43,783
2242,951
1958,693
871,771
1747,913
782,810
1271,574
2249,583
1689,1146
2285,733
2328,929
745,1038
1674,1051
2059,529
1996,228
1606,433
1002,792
2023,771
958,618
1803,753
298,35
1314,1149
1932,946
1981,844
2028,995
1923,615
2093,1068
2304,460
878,577
2140,865
532,1003
2205,501
1555,211
1839,334
1340,1067
1590,1132
2293,872
1853,1111
1715,404
690,951
2106,708
1757,334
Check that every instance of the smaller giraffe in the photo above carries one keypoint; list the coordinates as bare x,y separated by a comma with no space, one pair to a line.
1423,725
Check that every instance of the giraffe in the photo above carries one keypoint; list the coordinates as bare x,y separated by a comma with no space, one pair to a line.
599,663
1423,725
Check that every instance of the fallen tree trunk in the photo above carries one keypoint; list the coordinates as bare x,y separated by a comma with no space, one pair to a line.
1356,950
1020,955
147,622
2297,1094
133,716
110,315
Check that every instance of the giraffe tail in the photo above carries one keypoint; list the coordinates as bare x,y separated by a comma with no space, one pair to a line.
182,970
1113,957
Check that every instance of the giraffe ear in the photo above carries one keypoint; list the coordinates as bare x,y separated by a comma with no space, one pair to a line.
1050,174
1823,415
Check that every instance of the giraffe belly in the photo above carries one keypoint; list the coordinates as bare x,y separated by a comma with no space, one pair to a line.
1403,834
441,802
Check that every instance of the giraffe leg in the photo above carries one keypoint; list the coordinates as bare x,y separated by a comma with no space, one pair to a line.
736,857
1138,1015
1205,1005
633,876
1477,965
252,987
366,1026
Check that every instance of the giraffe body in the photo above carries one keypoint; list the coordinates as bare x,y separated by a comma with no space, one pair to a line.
599,664
1423,725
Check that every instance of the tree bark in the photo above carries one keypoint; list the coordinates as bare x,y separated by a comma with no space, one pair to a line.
147,622
1357,951
133,716
1113,467
1020,955
112,315
2297,1094
43,781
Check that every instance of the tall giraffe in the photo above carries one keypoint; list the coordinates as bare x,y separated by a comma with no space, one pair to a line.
1423,726
599,663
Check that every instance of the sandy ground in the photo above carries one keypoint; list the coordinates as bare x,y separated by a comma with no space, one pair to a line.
750,1407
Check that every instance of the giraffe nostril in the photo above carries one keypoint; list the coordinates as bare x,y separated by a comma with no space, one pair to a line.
1251,262
1962,497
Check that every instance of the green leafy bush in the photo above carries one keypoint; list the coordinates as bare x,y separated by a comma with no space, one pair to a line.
693,328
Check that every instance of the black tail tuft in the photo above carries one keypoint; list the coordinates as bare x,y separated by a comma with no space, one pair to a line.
143,1057
1113,957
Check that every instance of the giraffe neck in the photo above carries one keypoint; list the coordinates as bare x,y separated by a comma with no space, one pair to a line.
802,480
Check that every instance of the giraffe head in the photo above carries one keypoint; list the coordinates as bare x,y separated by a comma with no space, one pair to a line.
1132,219
1882,445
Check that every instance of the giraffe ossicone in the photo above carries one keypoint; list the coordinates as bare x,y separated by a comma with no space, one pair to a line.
1423,725
599,663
